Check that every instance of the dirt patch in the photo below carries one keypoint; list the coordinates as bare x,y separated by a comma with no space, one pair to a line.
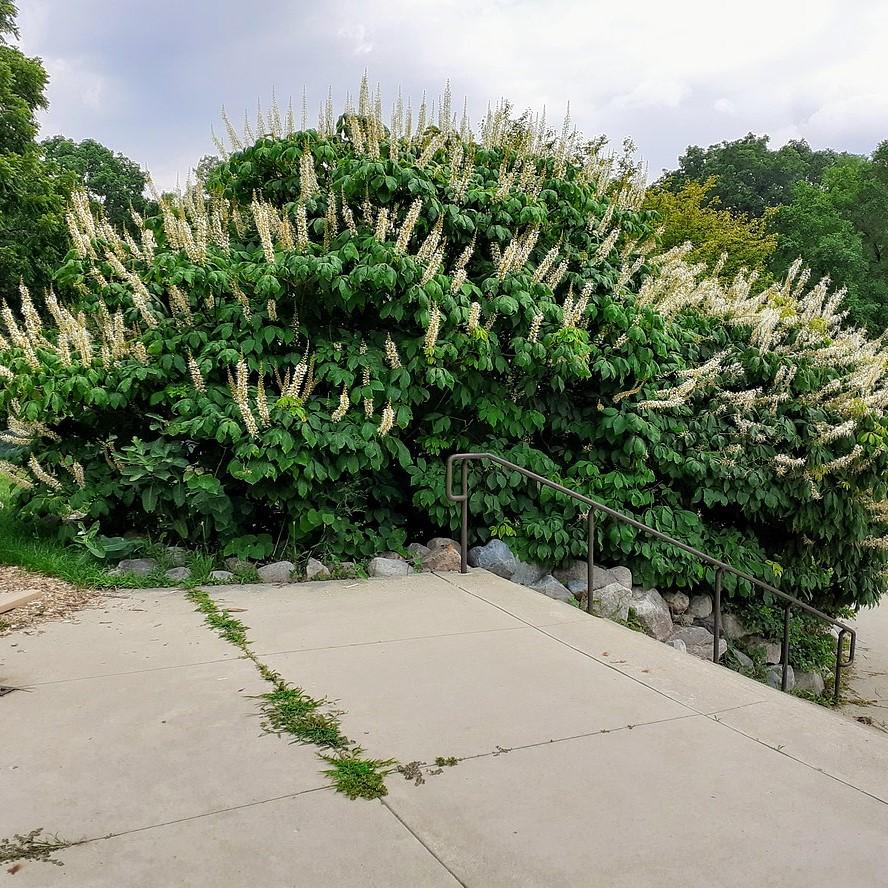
57,599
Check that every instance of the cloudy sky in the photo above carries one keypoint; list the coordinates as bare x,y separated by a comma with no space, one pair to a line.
149,78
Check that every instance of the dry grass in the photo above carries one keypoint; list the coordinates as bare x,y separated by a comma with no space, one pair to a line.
58,599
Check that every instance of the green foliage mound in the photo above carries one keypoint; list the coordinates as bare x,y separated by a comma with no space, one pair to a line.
283,359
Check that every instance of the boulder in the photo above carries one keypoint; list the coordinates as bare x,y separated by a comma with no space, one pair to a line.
178,574
577,572
652,612
276,572
678,602
623,576
809,681
438,542
316,570
527,574
770,650
678,644
496,557
700,606
699,641
683,619
444,558
549,586
139,566
740,658
221,576
389,567
611,602
418,550
775,677
733,628
177,556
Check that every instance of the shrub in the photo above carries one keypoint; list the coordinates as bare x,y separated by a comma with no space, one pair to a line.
284,359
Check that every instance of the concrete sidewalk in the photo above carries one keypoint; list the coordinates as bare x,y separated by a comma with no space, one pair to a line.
590,755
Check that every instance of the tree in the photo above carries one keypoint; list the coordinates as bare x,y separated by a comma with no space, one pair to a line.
22,88
111,179
689,215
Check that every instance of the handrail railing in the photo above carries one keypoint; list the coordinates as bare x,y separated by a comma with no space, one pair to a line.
721,567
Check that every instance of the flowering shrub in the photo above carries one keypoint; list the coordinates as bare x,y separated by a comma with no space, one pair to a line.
285,359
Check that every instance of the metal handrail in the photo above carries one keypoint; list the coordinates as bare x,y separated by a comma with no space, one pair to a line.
721,567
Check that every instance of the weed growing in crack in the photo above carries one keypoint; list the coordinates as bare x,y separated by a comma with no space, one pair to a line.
32,846
289,711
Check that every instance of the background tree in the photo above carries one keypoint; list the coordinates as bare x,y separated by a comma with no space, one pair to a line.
111,179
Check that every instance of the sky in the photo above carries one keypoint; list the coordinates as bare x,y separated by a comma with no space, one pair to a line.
149,78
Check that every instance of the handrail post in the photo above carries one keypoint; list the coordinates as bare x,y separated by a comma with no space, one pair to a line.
784,650
464,525
590,560
717,614
838,678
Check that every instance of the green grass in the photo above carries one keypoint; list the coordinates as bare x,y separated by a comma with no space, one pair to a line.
358,777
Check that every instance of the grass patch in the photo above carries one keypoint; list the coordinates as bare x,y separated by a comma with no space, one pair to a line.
446,761
289,711
32,846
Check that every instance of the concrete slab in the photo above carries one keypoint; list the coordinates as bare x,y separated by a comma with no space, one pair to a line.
687,803
465,694
304,616
128,751
119,635
311,840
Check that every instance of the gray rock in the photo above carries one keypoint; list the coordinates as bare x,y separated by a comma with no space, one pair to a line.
316,570
438,542
496,557
623,576
549,586
526,574
418,550
700,606
442,559
740,658
178,557
678,644
276,572
611,601
683,620
678,602
221,576
577,588
770,650
775,676
733,628
389,567
178,574
810,681
577,572
699,641
652,612
139,566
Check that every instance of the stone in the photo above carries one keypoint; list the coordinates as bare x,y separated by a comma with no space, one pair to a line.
444,558
438,542
316,570
496,557
733,628
550,587
178,574
775,677
698,641
418,550
389,567
623,576
221,576
678,602
810,681
526,574
178,557
577,572
678,644
239,565
770,650
611,602
700,606
741,659
276,572
652,612
139,566
393,556
683,620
